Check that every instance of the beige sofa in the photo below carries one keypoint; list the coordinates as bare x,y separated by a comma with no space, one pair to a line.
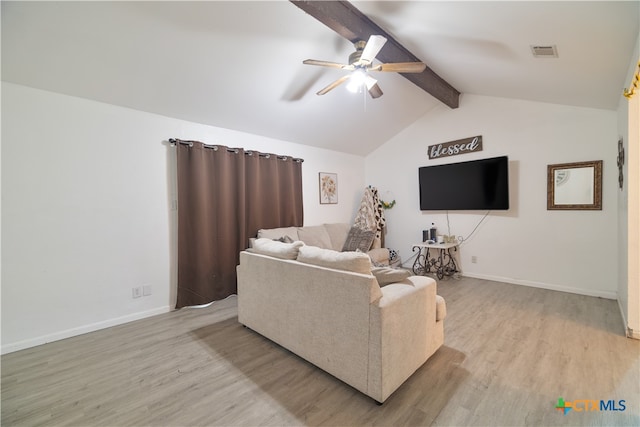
328,308
327,236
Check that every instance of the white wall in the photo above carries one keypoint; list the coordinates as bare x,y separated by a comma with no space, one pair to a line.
574,251
86,197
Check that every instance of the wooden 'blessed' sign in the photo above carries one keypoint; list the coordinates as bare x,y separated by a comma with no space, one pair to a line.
453,148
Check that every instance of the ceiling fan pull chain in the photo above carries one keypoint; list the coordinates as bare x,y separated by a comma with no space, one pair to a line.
364,96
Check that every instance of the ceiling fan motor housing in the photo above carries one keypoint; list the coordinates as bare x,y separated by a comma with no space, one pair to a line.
355,56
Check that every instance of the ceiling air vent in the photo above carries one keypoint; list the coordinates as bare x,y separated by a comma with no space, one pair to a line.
550,51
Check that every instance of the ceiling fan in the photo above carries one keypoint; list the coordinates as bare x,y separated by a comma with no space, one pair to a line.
361,62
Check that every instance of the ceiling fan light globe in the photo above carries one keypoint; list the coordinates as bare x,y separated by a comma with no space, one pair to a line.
370,82
356,81
353,88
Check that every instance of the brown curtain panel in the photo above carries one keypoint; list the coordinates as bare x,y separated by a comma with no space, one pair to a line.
225,195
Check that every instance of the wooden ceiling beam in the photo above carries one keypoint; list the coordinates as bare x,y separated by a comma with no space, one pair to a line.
343,18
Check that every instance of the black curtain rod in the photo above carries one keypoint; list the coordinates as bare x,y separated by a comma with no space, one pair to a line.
174,141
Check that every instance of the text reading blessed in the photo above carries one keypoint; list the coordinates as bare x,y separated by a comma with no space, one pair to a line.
461,146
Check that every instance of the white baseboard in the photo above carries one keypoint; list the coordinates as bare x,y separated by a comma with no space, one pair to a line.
32,342
550,286
629,332
624,319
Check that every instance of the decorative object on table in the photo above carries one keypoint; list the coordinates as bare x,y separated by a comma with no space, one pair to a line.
328,188
433,232
450,239
620,163
575,186
453,148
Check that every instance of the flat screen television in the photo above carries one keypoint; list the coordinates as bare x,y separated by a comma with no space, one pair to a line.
478,184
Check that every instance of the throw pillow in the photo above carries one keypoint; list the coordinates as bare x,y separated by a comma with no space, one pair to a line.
276,233
388,275
350,261
277,249
359,239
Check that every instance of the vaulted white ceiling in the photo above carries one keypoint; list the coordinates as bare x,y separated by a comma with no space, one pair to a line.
238,65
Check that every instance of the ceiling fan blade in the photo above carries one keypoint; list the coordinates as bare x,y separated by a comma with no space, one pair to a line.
372,87
334,85
372,48
328,64
400,67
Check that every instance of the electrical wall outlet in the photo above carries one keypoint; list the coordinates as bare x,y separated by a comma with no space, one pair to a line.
474,259
136,292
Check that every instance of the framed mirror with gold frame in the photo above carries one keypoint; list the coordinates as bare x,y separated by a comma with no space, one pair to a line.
575,186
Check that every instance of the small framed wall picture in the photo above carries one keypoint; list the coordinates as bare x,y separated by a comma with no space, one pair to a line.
328,188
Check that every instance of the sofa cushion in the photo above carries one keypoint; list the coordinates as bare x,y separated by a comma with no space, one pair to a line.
338,234
387,275
276,248
441,308
359,239
277,233
316,235
351,261
379,257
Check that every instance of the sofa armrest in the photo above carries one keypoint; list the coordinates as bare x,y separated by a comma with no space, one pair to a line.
401,322
395,293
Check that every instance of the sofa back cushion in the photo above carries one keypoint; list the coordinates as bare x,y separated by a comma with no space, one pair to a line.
276,248
316,235
338,234
357,262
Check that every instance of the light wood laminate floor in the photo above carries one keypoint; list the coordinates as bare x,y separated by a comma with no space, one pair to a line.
510,352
